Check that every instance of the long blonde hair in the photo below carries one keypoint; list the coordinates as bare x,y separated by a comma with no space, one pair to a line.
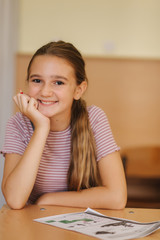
83,171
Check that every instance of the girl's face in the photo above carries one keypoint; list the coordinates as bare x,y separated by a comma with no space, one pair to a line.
52,83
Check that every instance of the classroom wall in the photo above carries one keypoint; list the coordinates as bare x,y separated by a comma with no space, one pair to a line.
123,28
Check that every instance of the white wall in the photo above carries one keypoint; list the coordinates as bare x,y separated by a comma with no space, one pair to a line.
97,27
8,44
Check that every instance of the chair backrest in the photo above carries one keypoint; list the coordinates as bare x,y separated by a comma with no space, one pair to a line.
142,161
142,168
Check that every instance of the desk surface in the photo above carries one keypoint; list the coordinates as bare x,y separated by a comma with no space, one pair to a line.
18,224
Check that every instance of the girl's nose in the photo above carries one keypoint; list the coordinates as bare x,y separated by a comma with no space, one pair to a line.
46,91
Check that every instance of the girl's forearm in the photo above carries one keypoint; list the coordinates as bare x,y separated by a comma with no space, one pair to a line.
20,181
97,197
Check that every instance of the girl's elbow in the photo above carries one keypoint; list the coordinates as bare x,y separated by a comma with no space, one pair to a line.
121,197
13,203
121,204
120,201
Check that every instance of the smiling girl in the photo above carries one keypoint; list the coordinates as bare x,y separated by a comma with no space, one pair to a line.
58,151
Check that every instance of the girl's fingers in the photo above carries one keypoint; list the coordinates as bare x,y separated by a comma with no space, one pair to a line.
27,105
17,101
33,103
21,101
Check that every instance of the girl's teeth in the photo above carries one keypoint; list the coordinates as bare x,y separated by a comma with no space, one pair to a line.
46,102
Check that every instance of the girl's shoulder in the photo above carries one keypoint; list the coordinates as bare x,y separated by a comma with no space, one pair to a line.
20,122
95,112
19,118
18,133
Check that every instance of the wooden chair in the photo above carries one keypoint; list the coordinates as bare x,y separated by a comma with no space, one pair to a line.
142,168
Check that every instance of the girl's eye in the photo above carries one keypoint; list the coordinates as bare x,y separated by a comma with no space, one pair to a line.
59,83
36,80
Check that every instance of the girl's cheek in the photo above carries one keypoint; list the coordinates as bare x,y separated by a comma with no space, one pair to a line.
32,91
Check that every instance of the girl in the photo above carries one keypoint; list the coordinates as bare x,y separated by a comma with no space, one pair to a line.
57,150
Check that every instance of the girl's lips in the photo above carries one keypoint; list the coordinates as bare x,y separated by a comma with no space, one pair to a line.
47,102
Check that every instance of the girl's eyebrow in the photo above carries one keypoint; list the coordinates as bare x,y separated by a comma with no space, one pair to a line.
59,77
34,75
54,76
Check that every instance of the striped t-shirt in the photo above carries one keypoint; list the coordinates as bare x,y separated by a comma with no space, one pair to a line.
52,172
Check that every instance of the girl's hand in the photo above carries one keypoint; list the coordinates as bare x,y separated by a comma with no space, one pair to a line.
29,107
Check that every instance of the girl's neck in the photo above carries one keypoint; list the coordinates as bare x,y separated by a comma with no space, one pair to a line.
58,125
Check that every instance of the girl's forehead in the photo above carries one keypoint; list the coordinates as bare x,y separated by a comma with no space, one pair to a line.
51,59
51,64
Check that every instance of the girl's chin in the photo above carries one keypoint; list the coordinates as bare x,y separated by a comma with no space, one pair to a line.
46,113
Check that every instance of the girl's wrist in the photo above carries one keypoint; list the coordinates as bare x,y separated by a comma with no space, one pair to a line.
42,125
42,129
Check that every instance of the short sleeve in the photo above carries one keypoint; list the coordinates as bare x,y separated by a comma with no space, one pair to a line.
105,142
16,139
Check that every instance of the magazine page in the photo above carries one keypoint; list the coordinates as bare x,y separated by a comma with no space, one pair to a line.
95,224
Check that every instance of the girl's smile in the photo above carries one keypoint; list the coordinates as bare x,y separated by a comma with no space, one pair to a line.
47,103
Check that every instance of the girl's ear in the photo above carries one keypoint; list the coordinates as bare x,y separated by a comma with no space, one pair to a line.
80,89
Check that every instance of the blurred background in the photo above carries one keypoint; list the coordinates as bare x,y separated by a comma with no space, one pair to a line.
120,41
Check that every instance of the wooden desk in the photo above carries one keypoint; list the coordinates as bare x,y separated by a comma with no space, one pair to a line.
19,224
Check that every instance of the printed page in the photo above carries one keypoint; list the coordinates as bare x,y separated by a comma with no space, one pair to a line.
100,226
